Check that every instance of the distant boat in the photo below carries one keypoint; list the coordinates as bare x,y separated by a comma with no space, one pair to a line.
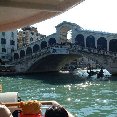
83,74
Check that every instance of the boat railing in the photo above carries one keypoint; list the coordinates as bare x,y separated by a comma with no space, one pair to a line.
44,105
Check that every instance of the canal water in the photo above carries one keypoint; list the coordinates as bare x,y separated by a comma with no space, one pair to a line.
81,98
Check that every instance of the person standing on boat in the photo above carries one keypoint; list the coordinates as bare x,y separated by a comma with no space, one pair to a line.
101,73
90,72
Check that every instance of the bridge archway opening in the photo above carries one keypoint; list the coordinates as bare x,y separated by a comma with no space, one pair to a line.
69,35
43,44
113,45
22,53
35,48
52,41
90,41
28,51
16,56
65,34
102,43
79,40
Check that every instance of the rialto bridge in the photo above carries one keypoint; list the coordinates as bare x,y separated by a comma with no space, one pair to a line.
69,42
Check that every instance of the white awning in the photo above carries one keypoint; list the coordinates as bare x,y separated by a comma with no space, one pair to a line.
19,13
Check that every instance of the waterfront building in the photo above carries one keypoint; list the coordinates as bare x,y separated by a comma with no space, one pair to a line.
28,35
8,44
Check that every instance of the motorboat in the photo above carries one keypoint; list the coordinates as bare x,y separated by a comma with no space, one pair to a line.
83,74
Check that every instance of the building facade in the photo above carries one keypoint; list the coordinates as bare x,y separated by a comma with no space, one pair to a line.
8,44
28,35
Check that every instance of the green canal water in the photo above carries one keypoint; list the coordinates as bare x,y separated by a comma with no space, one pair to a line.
81,98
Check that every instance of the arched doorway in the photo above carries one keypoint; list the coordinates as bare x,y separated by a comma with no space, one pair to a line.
22,53
102,43
113,45
52,41
65,34
79,40
16,56
35,48
43,44
90,42
28,51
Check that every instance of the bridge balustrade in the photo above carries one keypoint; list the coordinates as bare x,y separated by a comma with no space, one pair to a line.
91,50
31,56
63,49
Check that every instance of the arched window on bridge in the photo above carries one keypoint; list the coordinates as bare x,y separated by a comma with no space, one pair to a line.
35,48
90,42
79,40
113,45
43,44
28,51
52,41
102,43
16,56
22,53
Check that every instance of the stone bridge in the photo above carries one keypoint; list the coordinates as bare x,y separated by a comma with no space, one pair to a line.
69,42
55,57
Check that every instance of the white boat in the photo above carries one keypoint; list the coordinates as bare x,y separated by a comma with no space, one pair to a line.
83,74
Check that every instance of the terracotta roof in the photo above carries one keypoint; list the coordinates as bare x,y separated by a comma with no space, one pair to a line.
19,13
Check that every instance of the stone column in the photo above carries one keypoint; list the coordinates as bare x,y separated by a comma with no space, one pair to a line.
96,42
108,41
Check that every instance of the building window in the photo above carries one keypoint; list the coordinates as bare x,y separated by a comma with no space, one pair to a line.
31,39
12,35
3,50
12,42
3,33
3,41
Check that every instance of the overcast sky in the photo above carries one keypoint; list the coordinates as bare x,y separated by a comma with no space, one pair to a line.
99,15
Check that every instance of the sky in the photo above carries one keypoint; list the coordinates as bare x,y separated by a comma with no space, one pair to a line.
97,15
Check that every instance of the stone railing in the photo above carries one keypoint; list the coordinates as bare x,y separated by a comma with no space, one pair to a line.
71,49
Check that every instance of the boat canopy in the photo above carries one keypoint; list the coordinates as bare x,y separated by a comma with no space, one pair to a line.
19,13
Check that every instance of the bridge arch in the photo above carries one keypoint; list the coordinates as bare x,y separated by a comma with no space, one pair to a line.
79,40
28,50
43,44
90,41
102,43
36,48
64,32
113,45
22,53
52,41
16,56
